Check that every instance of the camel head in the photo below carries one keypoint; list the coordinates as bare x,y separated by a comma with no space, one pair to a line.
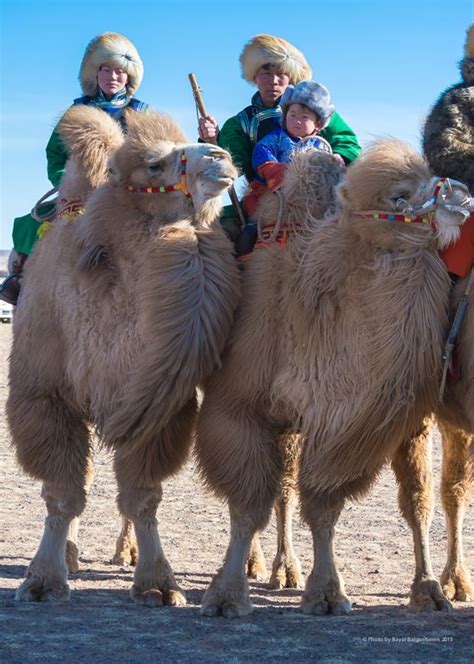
90,135
391,177
167,175
308,189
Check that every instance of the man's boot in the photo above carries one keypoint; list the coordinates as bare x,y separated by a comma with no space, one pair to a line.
10,288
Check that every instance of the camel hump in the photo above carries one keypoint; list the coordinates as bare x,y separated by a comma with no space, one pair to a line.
85,128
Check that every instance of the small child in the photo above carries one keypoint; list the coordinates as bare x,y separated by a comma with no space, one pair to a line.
307,109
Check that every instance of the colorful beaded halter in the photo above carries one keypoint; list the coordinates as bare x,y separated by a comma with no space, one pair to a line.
421,214
180,186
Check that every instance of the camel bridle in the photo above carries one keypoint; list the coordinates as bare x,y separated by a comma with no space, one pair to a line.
424,213
179,186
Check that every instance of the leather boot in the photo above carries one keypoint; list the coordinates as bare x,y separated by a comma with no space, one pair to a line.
10,287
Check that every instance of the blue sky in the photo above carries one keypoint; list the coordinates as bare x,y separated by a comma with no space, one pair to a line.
384,62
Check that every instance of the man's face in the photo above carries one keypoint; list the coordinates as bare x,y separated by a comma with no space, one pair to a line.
272,83
111,79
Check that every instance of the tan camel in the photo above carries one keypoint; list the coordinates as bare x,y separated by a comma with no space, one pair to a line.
337,337
122,314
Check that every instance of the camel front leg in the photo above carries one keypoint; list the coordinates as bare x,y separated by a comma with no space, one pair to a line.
228,593
412,466
154,583
324,592
456,487
46,578
126,546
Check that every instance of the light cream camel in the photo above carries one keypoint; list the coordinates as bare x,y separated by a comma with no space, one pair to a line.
123,312
337,337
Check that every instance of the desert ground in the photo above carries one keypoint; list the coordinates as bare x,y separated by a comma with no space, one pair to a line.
101,623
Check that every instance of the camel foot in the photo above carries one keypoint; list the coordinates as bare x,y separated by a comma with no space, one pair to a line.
256,569
456,583
230,600
286,575
125,558
151,598
426,596
36,588
322,599
72,557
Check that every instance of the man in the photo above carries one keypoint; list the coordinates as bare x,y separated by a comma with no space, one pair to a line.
271,63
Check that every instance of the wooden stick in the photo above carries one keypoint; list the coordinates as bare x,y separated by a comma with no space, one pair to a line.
204,114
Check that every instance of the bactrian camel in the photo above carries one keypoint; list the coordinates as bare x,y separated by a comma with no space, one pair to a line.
337,337
123,312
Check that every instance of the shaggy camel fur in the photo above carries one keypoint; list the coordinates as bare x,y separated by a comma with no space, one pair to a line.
134,315
337,337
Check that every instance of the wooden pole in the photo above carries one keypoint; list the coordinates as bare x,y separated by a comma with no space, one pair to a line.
204,114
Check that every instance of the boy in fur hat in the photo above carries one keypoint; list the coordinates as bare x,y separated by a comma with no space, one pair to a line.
111,72
448,143
307,110
271,63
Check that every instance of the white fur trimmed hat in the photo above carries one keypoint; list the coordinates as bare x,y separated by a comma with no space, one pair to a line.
311,94
115,49
267,49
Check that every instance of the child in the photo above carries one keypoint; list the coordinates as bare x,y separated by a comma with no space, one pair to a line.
307,109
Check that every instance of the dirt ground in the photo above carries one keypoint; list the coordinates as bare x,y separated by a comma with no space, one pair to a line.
101,624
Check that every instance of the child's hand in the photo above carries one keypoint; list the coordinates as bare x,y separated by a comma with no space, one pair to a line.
339,159
208,129
273,172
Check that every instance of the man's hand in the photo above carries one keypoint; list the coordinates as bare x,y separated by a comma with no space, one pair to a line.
208,129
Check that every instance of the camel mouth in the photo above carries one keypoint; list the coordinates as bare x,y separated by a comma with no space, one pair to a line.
225,180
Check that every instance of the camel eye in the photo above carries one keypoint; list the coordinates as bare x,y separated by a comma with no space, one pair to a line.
155,167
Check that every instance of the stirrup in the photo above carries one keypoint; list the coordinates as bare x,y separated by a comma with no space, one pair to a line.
11,298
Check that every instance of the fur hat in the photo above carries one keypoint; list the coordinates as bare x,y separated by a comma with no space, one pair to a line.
110,47
467,63
311,94
267,49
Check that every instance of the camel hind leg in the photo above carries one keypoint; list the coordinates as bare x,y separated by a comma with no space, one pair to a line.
286,569
412,466
52,444
456,487
126,547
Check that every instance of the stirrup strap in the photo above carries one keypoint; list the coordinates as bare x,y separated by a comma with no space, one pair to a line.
45,216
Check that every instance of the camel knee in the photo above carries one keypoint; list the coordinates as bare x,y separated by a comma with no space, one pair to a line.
139,504
64,502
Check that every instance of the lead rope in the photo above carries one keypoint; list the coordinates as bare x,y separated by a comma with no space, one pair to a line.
453,333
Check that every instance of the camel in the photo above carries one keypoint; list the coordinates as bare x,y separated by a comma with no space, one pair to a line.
122,314
337,338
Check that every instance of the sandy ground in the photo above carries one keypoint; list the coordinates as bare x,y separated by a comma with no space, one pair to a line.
101,624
